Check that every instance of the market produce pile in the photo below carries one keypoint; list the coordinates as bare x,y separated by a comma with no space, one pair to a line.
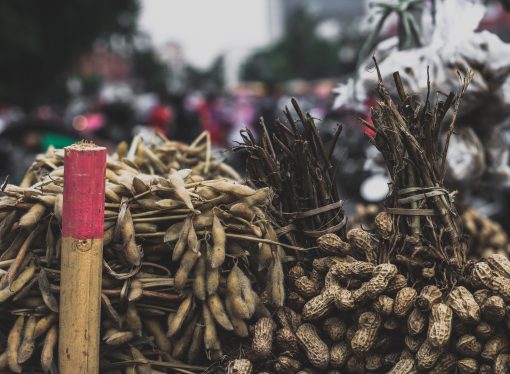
205,273
406,297
187,252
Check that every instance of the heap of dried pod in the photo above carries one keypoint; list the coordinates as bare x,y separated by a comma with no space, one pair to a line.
187,251
402,297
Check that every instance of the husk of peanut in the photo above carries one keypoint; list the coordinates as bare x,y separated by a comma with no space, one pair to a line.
188,252
406,293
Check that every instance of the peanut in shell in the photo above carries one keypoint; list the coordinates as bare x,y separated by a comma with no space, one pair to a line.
404,301
365,337
314,347
332,244
468,346
494,309
262,343
339,353
405,366
464,305
467,366
240,366
440,325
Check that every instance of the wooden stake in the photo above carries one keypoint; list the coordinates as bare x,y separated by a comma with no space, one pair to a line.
82,256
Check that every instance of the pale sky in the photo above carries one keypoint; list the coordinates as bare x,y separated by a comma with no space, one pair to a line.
205,28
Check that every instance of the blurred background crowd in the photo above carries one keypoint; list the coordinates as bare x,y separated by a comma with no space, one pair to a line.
108,70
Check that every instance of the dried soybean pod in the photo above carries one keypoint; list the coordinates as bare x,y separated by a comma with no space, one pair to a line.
28,343
25,276
262,343
239,325
13,343
129,247
212,280
180,189
265,254
405,366
315,349
247,293
44,324
32,216
241,209
50,342
58,207
20,259
195,348
211,340
50,244
44,287
133,321
238,305
115,337
193,242
175,231
180,246
182,344
108,309
154,328
219,313
3,360
440,325
260,197
187,263
216,256
180,316
233,188
199,283
141,368
240,366
276,287
135,290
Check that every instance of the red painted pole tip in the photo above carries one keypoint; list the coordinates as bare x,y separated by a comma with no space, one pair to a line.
84,173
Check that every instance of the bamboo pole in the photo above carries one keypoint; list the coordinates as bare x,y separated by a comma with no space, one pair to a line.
81,263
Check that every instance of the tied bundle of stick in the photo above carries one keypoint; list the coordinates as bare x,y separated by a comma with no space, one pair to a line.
187,252
295,163
427,231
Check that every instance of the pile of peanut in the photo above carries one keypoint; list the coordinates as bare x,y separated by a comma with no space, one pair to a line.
348,314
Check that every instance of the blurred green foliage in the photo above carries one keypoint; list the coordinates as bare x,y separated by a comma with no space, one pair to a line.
300,53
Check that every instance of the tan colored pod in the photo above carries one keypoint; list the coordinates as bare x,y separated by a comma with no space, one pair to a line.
405,366
428,296
468,346
240,366
501,365
494,309
467,366
262,343
383,305
384,224
285,364
464,305
287,342
413,343
484,330
334,328
306,287
494,346
332,244
339,353
365,337
343,299
490,279
373,362
319,306
416,322
500,264
440,325
364,242
315,349
356,365
446,364
404,301
396,283
427,356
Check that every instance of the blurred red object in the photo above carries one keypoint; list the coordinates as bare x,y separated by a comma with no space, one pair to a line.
160,118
